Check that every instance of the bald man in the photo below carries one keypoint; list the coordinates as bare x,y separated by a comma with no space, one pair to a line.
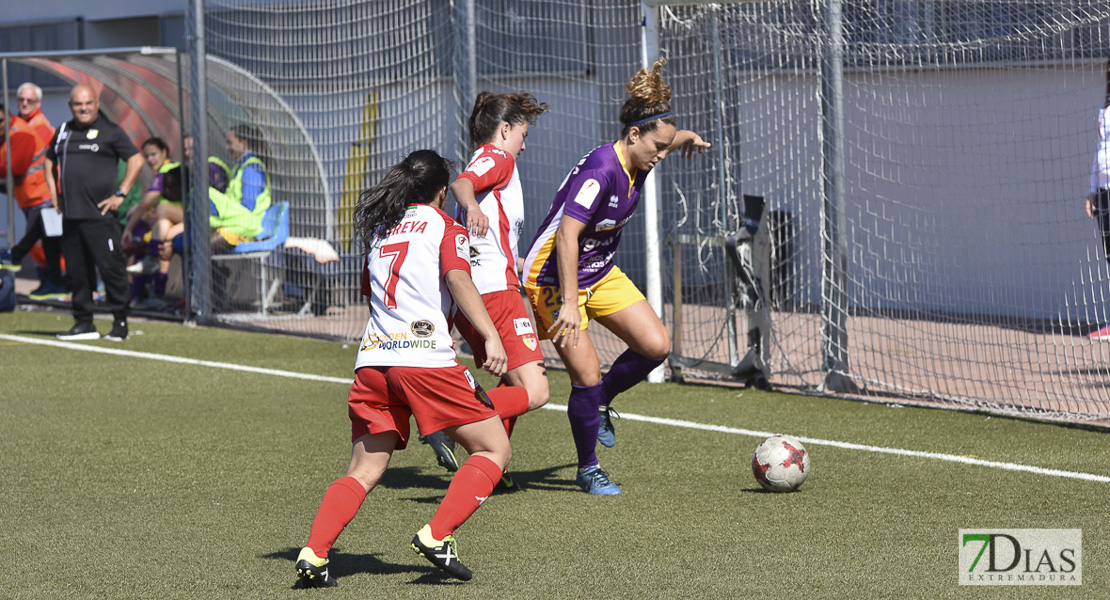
81,175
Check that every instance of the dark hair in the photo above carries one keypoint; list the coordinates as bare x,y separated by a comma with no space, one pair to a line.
253,137
157,143
171,182
648,96
415,180
490,110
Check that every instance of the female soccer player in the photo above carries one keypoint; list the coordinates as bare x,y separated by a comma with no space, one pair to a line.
417,260
571,262
159,214
491,203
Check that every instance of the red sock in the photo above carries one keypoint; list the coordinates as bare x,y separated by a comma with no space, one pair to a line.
509,423
468,490
510,401
340,504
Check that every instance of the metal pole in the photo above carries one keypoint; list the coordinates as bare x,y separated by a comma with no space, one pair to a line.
834,241
9,180
469,87
722,182
197,223
186,272
649,195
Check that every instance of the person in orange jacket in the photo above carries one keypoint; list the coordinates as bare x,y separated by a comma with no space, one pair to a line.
28,151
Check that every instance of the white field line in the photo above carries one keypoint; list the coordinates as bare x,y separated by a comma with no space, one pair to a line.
562,407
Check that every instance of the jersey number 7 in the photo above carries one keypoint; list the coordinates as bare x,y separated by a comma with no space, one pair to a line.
396,254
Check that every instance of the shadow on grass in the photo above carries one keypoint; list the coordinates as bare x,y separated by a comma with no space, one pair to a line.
345,565
414,478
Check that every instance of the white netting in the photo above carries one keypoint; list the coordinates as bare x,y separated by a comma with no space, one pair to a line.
965,273
967,132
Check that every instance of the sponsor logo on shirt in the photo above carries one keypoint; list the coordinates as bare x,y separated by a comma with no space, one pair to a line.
422,328
609,224
481,165
90,147
394,341
588,193
462,246
522,326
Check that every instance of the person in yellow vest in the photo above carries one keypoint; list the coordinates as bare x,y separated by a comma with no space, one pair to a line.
158,213
235,212
235,216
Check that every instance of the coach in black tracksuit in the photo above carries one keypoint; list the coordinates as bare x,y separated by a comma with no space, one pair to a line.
85,152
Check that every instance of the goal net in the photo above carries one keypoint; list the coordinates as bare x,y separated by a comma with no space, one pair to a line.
947,256
924,166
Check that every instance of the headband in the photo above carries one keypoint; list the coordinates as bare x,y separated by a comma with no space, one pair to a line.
642,121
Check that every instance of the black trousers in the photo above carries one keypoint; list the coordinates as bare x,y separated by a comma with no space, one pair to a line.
51,246
89,245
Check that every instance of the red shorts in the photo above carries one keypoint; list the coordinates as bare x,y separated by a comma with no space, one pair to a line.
382,398
518,335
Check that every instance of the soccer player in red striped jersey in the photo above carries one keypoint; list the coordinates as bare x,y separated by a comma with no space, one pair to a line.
570,265
491,204
417,266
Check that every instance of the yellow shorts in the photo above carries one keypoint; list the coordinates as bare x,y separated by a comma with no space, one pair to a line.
613,293
232,238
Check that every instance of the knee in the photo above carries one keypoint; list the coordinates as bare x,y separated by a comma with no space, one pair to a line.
658,348
501,455
538,396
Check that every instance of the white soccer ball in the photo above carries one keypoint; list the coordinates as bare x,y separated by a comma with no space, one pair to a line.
780,463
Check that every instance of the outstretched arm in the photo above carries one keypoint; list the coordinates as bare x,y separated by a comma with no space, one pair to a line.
688,142
470,303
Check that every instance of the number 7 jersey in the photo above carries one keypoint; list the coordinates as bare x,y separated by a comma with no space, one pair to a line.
409,300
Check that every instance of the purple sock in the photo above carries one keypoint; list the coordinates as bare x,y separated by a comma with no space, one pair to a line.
138,285
629,369
153,247
160,283
584,421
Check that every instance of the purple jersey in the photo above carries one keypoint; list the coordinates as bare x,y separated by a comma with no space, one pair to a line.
598,192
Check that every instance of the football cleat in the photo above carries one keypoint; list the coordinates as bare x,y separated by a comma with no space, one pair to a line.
443,553
507,483
313,571
595,481
444,447
605,432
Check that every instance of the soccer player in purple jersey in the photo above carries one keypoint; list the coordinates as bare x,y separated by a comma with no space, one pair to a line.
571,261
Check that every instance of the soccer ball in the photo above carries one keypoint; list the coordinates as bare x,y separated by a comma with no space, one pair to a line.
780,464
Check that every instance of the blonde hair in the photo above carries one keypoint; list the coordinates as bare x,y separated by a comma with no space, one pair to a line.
648,97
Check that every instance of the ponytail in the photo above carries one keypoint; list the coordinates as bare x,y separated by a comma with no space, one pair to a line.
490,110
649,99
417,179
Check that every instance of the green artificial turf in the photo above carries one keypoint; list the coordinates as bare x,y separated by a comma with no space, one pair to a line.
125,477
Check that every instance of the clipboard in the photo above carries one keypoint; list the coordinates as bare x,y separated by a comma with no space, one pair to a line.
51,222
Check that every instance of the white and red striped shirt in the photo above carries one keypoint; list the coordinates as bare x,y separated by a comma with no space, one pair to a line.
409,300
498,192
